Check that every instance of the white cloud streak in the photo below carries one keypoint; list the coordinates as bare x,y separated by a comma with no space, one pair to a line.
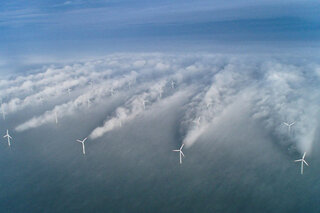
274,90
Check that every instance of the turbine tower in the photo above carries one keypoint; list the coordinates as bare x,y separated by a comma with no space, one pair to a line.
302,162
8,137
83,147
180,153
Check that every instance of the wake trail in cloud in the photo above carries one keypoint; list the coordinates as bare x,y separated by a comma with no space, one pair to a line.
274,90
53,83
94,95
208,104
288,94
131,109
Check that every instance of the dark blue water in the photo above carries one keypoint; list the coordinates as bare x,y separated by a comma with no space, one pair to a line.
232,168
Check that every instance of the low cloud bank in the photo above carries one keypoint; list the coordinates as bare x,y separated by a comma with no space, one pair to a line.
274,90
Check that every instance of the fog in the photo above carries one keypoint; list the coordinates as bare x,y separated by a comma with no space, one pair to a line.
136,108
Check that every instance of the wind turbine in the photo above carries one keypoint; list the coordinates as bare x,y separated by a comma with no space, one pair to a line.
289,125
119,119
8,137
41,99
144,103
160,94
3,113
69,91
209,104
302,162
83,147
172,84
197,122
111,91
180,152
56,117
89,102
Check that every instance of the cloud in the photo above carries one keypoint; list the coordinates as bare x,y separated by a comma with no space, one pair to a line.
273,91
131,109
94,95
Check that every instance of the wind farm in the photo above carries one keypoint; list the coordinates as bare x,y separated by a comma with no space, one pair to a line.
159,106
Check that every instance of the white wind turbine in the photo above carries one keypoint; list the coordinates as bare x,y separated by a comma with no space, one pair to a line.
144,103
3,113
160,94
89,102
69,91
209,104
41,99
180,153
119,119
289,125
302,162
8,137
111,91
83,147
172,84
56,117
197,121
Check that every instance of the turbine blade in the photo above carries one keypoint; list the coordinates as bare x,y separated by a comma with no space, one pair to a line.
176,150
79,141
298,160
305,162
182,146
182,153
304,154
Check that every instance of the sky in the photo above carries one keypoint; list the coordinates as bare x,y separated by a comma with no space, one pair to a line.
33,32
140,79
